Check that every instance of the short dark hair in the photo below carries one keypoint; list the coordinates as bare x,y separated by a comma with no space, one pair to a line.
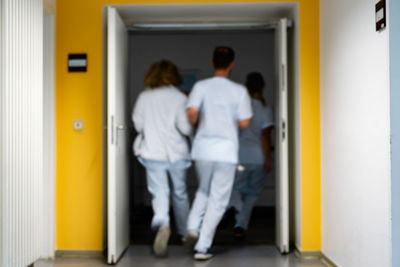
255,84
223,56
162,73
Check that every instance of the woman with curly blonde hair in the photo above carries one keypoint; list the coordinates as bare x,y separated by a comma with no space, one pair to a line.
161,146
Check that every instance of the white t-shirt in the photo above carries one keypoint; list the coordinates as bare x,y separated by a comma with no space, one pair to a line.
221,103
160,119
250,150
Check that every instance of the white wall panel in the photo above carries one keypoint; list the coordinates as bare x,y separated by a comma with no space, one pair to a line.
49,154
394,21
22,132
1,132
355,135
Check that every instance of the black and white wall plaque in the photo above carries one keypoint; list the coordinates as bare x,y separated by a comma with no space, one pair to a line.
77,63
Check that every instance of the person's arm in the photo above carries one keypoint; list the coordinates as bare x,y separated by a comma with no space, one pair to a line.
193,115
266,147
193,104
243,124
138,114
182,121
245,112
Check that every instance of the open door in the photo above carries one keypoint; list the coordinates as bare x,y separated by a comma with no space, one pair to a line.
117,136
282,166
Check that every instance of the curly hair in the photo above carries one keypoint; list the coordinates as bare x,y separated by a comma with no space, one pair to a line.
162,73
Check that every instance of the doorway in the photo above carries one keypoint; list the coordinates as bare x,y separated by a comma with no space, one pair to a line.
118,120
191,50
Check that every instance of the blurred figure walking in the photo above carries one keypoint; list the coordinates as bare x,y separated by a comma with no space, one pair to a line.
219,107
254,155
161,146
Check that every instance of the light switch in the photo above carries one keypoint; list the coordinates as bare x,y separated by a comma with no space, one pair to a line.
78,125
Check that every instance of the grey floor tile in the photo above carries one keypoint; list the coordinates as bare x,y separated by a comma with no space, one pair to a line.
225,256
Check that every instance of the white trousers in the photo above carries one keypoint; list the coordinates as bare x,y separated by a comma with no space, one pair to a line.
212,198
157,184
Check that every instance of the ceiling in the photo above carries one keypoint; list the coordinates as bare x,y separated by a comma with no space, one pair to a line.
257,12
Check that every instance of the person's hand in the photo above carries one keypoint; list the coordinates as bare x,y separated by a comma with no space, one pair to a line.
268,165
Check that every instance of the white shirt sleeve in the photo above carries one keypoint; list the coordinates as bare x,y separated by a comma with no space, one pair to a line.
182,121
268,118
244,108
138,114
195,97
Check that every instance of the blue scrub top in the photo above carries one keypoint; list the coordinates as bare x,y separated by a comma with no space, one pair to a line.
250,151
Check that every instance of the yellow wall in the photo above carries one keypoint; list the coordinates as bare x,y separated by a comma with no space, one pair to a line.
79,96
310,126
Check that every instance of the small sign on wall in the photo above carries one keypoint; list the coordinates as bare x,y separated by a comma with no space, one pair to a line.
380,15
77,63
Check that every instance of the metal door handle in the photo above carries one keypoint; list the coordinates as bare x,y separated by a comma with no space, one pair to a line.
123,127
120,127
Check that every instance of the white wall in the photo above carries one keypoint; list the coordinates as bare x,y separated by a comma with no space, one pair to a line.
395,126
255,51
21,126
354,135
2,65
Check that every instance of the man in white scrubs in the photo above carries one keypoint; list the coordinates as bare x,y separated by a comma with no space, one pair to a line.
219,107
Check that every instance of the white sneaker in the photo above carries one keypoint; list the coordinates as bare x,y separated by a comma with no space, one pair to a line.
202,255
190,239
161,241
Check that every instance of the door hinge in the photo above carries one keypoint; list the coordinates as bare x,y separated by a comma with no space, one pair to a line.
283,130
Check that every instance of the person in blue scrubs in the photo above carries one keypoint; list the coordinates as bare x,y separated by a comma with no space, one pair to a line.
254,155
161,146
219,107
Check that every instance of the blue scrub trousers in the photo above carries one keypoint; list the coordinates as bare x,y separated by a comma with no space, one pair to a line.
247,186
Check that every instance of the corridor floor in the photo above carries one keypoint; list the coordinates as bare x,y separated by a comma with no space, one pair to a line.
225,256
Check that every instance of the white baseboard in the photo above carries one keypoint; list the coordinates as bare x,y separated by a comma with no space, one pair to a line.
315,255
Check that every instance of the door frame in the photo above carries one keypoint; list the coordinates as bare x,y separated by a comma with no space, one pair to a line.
293,124
2,211
49,133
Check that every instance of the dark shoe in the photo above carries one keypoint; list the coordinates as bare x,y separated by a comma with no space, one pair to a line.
228,220
238,233
202,255
190,239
